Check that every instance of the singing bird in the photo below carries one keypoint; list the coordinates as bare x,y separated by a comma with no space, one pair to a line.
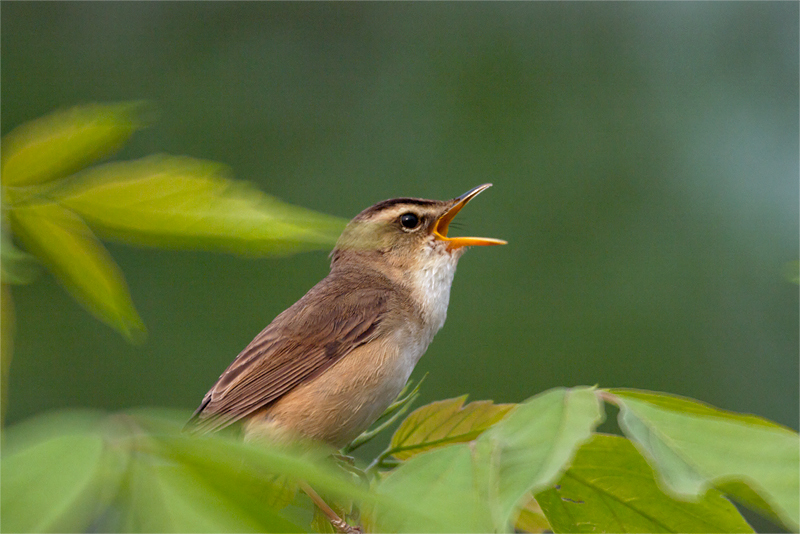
328,366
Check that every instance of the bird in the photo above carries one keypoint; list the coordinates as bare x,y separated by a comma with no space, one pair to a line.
328,366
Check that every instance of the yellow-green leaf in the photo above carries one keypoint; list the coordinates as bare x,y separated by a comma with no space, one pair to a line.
444,422
16,267
532,519
65,141
694,446
184,202
137,472
63,242
477,486
55,485
610,488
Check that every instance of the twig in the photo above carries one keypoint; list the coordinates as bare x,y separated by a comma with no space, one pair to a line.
338,523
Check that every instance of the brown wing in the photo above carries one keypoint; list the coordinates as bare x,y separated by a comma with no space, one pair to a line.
337,315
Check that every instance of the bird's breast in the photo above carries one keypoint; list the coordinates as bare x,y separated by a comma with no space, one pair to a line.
336,406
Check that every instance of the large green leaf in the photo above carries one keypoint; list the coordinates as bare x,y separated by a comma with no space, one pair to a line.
477,486
57,473
66,502
66,141
610,488
183,202
694,446
63,242
444,422
169,497
246,480
16,267
447,487
137,472
532,446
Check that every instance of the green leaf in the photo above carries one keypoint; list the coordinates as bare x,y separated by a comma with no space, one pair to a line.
610,488
442,423
65,502
744,494
447,488
532,519
63,142
183,202
63,242
531,447
694,446
475,487
137,472
55,481
206,493
168,497
16,267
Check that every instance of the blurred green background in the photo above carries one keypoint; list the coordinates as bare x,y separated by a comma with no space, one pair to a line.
644,156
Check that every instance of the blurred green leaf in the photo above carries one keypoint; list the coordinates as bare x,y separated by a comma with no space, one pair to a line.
444,422
65,141
168,497
212,489
610,488
476,487
58,481
184,202
447,488
694,446
16,267
137,472
63,242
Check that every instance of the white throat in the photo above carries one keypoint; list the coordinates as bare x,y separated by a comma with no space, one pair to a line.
430,289
431,285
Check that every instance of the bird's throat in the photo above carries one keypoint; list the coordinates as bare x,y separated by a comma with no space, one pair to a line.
431,281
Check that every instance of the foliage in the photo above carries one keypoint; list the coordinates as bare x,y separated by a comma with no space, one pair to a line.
609,487
712,446
449,466
56,207
137,472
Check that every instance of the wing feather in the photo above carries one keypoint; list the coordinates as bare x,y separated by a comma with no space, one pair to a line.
342,312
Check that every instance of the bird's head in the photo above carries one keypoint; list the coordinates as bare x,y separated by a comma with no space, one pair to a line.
407,233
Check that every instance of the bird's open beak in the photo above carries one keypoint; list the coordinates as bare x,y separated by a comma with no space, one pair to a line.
440,229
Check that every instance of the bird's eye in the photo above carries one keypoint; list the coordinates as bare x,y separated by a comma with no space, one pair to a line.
409,220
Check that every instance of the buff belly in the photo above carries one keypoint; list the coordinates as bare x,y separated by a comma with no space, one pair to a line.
339,404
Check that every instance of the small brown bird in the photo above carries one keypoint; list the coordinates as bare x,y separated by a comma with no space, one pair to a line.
327,367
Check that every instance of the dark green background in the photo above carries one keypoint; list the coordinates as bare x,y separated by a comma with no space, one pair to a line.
644,156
